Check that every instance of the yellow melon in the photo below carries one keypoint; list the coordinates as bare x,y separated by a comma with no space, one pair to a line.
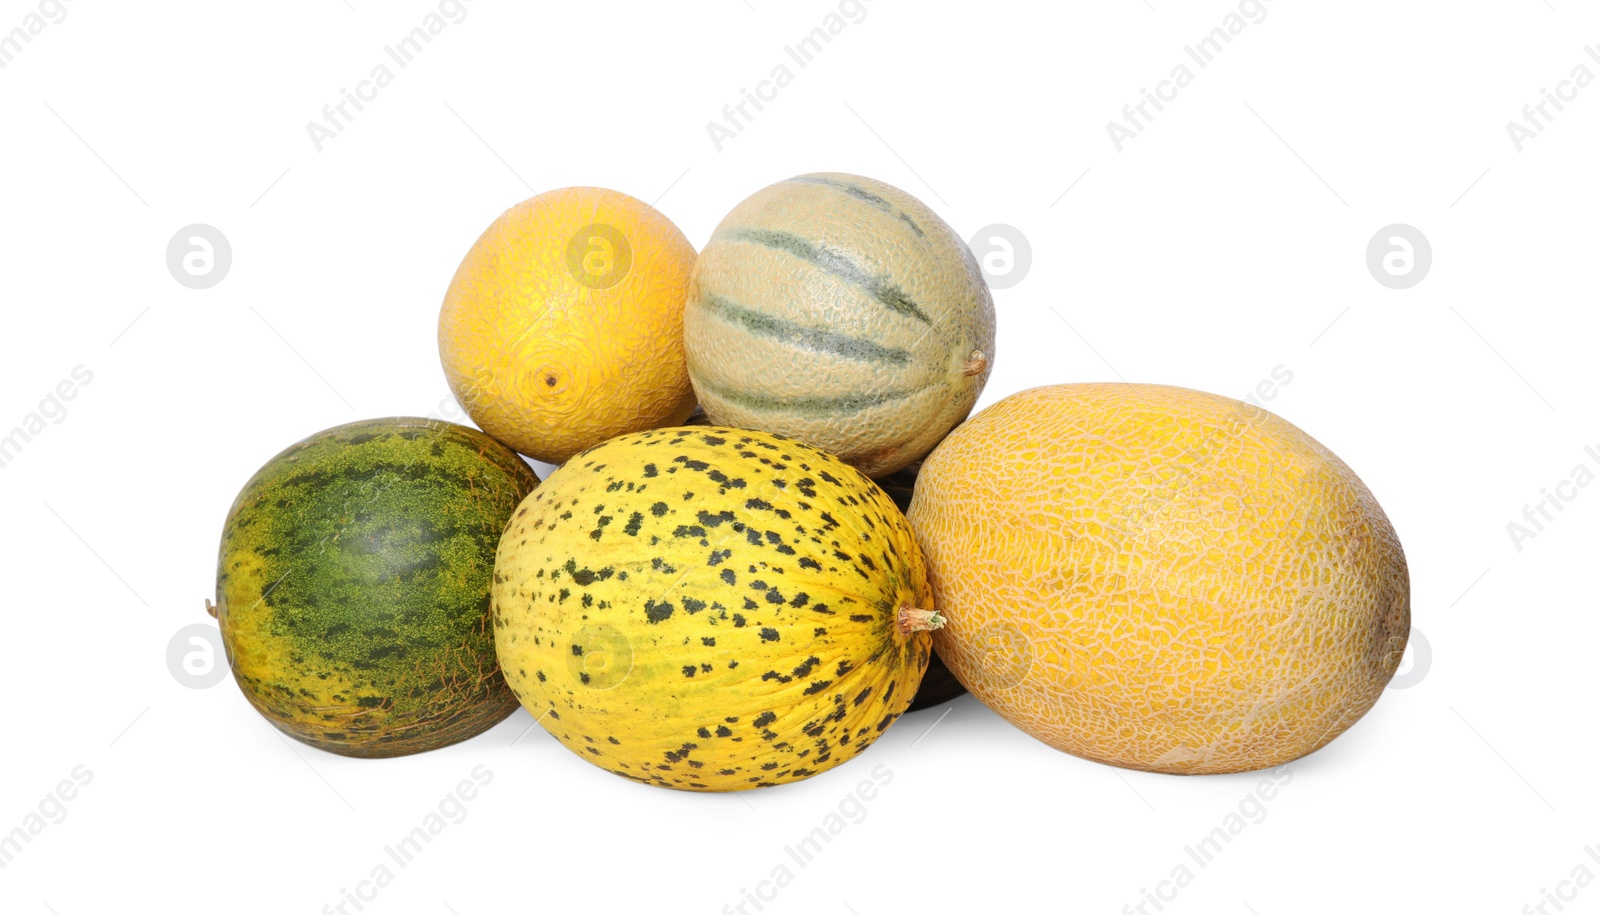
563,325
842,312
1159,578
711,609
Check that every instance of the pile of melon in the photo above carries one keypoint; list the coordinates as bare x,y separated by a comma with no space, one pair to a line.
773,518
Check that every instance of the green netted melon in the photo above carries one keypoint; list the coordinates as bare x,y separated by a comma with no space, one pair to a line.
353,585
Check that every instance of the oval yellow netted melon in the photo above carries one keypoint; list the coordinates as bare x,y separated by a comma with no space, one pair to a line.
1160,578
711,609
563,325
842,312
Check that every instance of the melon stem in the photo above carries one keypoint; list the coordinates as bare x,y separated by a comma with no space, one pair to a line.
976,362
915,619
211,608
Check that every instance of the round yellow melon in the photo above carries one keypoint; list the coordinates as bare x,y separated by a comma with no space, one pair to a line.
842,312
563,325
1160,578
711,609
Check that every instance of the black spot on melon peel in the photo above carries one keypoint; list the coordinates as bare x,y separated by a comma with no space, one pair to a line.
353,585
792,665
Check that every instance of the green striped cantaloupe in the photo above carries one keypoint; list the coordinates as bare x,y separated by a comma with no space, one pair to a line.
353,585
842,312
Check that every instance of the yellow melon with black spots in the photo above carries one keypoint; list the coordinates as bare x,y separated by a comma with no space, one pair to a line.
711,609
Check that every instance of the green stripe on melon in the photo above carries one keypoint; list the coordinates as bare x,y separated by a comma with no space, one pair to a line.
878,286
353,585
842,312
861,193
822,341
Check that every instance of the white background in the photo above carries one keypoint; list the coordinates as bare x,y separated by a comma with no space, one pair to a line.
1227,239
